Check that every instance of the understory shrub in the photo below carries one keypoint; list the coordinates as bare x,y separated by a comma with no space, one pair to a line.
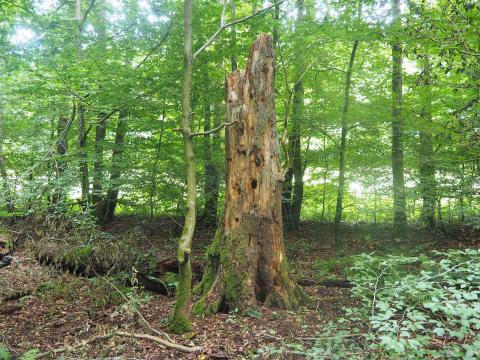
410,308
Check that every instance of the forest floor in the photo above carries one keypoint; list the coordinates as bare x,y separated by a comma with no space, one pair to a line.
50,309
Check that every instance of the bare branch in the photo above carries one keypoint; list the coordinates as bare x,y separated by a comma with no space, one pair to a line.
226,26
218,128
153,49
160,341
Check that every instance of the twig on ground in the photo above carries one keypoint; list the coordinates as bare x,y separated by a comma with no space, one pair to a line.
155,339
160,341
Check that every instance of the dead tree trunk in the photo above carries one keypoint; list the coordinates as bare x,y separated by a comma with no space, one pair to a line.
247,262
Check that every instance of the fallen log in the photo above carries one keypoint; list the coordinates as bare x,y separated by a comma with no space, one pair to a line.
332,283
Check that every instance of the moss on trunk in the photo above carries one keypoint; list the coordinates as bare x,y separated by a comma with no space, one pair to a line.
246,261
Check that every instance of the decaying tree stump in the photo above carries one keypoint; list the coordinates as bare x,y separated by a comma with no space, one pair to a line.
246,261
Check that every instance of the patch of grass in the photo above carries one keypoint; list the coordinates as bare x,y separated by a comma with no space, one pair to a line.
61,289
332,266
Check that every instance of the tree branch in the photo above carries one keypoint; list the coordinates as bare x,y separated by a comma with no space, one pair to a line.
226,26
152,50
155,339
160,341
218,128
84,18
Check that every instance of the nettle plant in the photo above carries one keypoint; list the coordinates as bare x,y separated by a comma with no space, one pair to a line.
421,306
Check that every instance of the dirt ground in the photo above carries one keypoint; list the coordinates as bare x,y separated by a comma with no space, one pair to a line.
45,308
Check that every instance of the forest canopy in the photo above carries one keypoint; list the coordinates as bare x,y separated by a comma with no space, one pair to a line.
124,58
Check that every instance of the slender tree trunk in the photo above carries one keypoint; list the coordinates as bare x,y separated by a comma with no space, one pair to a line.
449,212
110,203
97,196
158,149
211,172
179,321
343,144
82,150
100,130
428,183
276,18
399,208
247,261
294,178
233,39
7,192
324,192
62,147
439,211
461,197
82,133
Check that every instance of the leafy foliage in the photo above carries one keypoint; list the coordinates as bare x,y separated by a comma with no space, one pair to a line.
410,308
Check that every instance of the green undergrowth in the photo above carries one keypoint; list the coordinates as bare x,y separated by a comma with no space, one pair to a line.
332,267
97,292
411,307
6,355
78,245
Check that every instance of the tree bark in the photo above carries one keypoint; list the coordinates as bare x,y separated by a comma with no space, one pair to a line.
82,150
100,130
276,18
247,261
293,189
82,133
399,208
233,39
428,184
107,209
97,196
62,147
343,145
179,322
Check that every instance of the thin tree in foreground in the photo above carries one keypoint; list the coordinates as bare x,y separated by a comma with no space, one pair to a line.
179,321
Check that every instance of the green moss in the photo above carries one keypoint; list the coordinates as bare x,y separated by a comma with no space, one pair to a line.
77,258
199,307
179,324
234,277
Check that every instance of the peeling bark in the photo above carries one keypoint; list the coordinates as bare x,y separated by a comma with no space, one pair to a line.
247,261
